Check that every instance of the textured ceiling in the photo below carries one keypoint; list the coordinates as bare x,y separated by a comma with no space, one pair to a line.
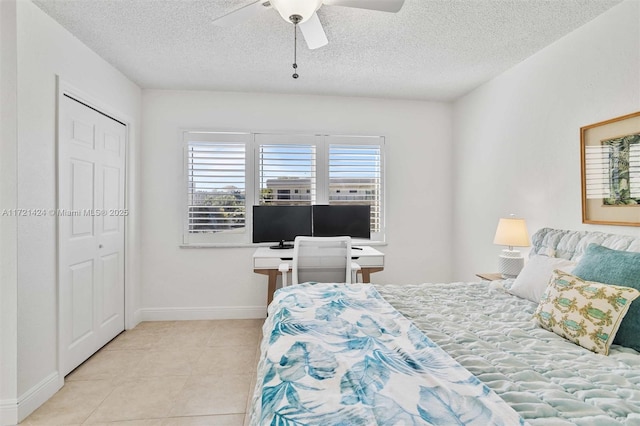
431,49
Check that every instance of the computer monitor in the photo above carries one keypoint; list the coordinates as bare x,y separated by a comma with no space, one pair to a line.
277,224
335,221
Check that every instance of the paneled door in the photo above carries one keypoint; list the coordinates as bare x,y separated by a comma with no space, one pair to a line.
91,184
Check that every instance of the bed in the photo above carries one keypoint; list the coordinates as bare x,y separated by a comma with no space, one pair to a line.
455,353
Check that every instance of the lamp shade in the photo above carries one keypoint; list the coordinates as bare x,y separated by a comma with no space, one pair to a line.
512,232
304,8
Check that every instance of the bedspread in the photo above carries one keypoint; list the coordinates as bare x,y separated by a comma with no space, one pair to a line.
340,354
545,378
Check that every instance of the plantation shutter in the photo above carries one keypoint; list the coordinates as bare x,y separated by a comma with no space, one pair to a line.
355,174
225,173
216,180
286,169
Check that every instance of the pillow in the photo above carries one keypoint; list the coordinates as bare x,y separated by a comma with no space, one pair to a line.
584,312
534,277
608,266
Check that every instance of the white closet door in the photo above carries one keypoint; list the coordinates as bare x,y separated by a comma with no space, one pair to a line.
91,182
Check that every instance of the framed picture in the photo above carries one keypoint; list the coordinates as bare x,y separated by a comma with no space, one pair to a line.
610,157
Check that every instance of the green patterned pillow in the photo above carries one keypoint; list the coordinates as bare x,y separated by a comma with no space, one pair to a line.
608,266
584,312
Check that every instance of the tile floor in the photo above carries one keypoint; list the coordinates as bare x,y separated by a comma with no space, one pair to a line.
166,373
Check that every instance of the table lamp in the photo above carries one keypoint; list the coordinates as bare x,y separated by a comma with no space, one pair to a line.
511,232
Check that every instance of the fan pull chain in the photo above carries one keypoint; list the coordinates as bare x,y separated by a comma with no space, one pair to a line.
295,51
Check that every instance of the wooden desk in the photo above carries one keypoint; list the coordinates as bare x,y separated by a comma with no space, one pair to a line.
266,262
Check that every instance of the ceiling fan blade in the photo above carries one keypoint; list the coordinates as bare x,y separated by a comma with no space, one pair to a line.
383,5
241,15
313,32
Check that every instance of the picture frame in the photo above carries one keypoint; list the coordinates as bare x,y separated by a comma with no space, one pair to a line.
610,171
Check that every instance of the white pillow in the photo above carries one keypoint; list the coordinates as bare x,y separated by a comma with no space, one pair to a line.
536,274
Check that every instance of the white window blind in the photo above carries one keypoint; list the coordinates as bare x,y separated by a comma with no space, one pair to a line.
287,174
217,183
355,178
216,187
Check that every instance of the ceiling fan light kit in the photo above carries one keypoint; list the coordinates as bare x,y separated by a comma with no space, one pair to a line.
289,9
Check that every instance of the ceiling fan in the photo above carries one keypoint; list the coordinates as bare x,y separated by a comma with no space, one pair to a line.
302,13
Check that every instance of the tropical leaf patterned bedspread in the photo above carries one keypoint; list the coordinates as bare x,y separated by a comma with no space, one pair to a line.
336,354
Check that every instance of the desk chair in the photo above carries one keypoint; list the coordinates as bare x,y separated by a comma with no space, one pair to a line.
317,254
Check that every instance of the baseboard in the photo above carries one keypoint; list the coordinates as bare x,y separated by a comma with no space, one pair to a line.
211,313
8,412
14,411
137,318
39,394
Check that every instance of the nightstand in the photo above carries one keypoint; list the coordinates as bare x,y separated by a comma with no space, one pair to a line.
490,276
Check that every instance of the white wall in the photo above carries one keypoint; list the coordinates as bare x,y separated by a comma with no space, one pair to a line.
220,281
517,140
44,50
516,149
8,227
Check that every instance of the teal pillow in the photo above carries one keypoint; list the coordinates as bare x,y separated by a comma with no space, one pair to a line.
616,267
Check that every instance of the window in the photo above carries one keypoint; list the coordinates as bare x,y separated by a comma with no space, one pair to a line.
216,187
286,166
357,170
216,183
227,173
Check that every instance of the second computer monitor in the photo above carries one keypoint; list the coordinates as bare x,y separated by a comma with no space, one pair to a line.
334,221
